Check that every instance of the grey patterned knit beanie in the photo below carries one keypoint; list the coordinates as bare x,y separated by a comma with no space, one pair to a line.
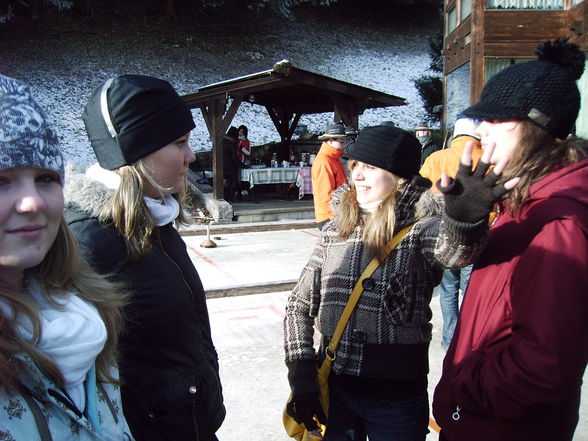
542,91
27,138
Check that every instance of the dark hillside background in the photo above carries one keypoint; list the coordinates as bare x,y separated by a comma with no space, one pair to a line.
63,55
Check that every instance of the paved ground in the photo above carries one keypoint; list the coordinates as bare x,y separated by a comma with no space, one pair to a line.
248,333
242,262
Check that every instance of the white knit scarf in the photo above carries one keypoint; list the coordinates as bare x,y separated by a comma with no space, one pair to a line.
72,336
164,210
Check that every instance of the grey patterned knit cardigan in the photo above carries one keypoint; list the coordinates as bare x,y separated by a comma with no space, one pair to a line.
389,331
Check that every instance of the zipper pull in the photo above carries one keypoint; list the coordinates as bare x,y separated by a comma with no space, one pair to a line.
456,416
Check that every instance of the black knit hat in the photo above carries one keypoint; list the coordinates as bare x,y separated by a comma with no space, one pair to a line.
130,116
387,147
542,91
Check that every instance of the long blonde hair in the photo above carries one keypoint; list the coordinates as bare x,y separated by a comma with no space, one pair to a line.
537,155
378,227
129,213
61,273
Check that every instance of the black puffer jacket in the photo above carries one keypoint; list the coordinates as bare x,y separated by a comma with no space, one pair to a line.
169,367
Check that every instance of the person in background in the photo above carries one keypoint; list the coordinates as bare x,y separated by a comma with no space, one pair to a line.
122,211
423,134
378,382
327,171
447,161
231,165
243,144
59,320
514,368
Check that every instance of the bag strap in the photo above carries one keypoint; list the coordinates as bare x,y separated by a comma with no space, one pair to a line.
40,420
330,351
108,401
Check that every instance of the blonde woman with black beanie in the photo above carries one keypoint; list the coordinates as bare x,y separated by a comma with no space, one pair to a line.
123,211
514,368
378,382
59,320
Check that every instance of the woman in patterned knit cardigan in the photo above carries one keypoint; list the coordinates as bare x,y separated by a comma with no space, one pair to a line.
59,320
378,382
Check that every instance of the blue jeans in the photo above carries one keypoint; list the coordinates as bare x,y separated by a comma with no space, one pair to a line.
353,416
452,282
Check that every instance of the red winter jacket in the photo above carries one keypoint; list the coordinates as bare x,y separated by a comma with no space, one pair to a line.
514,369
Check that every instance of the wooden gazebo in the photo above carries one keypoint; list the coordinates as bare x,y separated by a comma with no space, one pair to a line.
287,93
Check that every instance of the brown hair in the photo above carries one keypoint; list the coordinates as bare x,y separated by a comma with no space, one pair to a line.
378,227
61,272
129,213
537,155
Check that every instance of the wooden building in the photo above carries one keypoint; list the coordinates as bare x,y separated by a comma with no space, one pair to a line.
483,37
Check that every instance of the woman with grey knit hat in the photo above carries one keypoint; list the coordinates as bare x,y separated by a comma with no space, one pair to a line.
122,211
59,320
514,368
378,381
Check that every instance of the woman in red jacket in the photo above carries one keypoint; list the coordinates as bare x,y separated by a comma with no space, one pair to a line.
243,144
514,368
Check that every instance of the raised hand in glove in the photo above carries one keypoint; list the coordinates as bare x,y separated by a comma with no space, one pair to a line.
470,196
305,408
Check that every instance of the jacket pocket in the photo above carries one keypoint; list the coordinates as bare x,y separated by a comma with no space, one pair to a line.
176,395
194,399
397,303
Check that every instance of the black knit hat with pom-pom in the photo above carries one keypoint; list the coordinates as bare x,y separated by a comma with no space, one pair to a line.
543,91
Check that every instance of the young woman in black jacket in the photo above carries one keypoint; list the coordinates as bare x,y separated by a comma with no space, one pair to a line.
122,211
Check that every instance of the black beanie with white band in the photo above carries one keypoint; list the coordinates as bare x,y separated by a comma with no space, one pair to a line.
130,116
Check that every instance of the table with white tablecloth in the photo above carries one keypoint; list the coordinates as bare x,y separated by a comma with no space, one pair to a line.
300,176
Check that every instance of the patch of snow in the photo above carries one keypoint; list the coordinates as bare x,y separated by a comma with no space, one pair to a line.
64,67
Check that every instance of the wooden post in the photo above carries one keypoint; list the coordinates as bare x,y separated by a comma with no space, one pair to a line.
281,120
355,122
213,112
216,110
348,108
478,51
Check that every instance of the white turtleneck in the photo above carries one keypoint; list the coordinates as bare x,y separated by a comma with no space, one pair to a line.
370,207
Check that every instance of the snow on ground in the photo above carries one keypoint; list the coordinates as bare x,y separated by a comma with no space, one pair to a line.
65,59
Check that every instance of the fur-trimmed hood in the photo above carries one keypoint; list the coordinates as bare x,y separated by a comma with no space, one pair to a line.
416,201
83,194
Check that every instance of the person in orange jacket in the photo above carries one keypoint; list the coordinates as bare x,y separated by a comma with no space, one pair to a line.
328,172
447,161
